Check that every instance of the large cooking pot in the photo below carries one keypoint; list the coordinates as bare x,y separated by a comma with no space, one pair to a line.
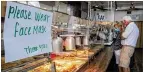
57,44
86,40
70,43
78,40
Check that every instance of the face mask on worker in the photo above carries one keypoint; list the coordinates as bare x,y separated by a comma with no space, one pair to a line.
117,30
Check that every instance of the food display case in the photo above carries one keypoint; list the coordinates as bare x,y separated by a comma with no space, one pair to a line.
68,61
64,62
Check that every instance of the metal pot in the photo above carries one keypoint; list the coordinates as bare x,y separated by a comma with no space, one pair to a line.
70,43
78,40
86,40
57,45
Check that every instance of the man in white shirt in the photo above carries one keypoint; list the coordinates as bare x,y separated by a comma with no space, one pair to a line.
129,40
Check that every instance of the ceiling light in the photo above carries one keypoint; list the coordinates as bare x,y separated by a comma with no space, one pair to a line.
45,8
132,3
96,6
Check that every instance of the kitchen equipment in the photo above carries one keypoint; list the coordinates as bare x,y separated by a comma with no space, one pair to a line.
102,35
57,44
70,43
86,40
78,40
105,31
110,37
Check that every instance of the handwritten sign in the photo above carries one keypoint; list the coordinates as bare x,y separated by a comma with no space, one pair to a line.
27,31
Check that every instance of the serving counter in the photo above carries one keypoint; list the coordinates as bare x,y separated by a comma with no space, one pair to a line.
93,60
69,62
